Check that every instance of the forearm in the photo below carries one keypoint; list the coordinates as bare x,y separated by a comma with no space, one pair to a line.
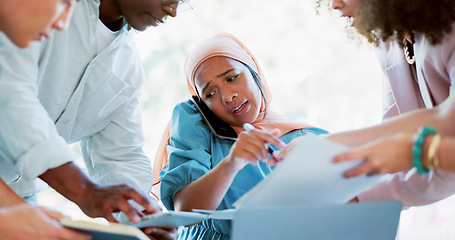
414,189
207,191
446,154
69,180
410,122
9,197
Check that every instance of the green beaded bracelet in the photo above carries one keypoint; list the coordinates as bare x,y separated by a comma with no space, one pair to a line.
419,139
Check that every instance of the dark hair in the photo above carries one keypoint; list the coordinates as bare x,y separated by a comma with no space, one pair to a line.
259,83
379,20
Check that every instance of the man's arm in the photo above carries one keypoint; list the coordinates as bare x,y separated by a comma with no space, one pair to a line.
93,199
9,197
30,141
25,221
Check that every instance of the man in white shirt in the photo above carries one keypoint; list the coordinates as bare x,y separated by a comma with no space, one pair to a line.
81,85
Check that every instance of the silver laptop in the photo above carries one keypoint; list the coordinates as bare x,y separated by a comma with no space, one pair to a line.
356,221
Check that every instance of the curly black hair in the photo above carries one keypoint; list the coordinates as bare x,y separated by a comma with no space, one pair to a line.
380,20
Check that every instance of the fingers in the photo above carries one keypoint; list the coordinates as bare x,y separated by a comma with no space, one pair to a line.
53,214
373,172
254,150
131,193
276,132
120,195
268,138
276,158
365,168
102,201
288,148
353,154
129,210
279,155
60,232
109,217
273,161
160,233
359,170
257,142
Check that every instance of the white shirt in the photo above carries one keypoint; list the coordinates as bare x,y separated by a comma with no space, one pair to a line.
104,36
65,90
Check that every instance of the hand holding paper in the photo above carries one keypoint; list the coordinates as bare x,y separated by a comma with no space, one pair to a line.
307,176
389,154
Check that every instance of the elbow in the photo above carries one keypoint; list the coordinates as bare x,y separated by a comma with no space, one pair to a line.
180,204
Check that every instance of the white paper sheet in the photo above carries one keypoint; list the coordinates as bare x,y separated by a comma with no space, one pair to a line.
307,176
170,219
227,214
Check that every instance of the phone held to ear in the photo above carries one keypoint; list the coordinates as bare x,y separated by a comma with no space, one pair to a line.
220,129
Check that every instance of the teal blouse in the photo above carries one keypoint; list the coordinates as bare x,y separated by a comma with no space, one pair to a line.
194,151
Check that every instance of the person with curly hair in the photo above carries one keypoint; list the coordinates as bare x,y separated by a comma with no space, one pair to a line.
415,42
406,32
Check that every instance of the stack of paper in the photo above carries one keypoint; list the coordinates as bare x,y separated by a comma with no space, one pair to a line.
307,176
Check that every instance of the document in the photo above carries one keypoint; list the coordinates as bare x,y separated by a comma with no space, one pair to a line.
170,219
307,176
174,219
107,231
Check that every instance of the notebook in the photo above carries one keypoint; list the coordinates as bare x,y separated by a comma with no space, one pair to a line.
105,231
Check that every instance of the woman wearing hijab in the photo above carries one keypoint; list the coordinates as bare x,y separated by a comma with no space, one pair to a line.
209,171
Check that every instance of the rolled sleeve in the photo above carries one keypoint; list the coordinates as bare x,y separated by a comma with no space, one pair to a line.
411,188
29,141
26,165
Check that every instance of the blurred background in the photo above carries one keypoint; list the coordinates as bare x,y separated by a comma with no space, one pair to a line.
318,72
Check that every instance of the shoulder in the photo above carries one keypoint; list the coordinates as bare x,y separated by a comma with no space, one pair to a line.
188,131
186,118
442,50
186,109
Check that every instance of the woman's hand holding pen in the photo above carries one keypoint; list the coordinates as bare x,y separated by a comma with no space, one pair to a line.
280,154
252,146
208,191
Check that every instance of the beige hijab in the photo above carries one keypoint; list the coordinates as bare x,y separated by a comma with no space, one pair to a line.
226,45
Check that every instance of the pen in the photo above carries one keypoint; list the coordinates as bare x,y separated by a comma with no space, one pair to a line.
248,126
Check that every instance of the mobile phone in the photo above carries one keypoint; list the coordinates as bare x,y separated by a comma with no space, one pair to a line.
219,128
